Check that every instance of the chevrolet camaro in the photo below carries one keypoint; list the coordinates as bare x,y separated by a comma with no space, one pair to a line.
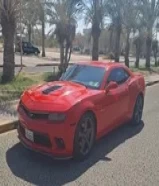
64,118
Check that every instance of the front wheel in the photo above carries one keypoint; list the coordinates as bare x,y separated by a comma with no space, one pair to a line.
138,111
36,53
84,137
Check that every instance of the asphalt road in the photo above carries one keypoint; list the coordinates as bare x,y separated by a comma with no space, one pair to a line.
29,61
128,156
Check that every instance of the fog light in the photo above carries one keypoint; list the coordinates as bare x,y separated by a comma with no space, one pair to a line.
60,143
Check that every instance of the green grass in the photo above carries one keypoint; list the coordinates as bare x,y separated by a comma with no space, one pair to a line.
14,89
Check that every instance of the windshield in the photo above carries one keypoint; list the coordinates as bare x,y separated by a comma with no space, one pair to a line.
89,76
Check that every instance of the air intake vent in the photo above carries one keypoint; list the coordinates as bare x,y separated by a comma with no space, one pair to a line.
51,89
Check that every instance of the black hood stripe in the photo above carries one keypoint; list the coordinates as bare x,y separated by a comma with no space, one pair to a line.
51,89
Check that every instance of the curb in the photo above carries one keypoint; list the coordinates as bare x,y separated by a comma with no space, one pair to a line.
152,83
1,66
8,126
50,64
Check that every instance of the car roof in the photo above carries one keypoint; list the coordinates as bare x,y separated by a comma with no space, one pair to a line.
105,64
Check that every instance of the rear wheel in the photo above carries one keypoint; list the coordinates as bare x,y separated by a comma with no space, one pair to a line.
138,111
84,137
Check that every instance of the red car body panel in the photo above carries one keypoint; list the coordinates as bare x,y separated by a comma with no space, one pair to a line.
72,99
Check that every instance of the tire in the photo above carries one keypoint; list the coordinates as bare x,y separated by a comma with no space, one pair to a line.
138,111
84,137
37,53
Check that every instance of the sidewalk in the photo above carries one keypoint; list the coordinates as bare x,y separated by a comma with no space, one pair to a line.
152,79
8,114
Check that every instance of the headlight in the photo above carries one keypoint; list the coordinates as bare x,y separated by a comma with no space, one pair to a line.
57,117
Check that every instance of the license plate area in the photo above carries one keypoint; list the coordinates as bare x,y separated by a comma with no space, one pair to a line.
29,135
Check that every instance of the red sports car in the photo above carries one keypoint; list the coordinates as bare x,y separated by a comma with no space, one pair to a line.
64,118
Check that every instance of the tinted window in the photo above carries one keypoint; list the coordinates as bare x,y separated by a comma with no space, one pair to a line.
89,76
118,75
25,44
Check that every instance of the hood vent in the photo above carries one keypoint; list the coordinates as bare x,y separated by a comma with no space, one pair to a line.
51,89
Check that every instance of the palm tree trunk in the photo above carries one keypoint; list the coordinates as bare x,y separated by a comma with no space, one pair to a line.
95,49
138,51
155,57
148,49
68,52
117,44
111,39
8,31
127,49
29,32
43,38
137,58
66,56
96,31
62,56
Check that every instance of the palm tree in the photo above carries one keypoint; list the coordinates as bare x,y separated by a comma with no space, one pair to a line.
41,5
114,10
30,16
155,50
129,17
95,13
9,10
138,42
62,14
111,31
150,12
139,39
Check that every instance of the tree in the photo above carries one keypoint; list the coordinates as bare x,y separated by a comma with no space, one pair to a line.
62,14
95,13
140,37
130,15
111,31
138,42
35,14
114,10
9,11
30,16
42,17
150,11
155,50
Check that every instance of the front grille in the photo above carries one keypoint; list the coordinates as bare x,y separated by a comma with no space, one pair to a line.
22,130
39,139
33,115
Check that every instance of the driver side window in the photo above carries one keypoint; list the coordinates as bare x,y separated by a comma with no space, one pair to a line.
118,75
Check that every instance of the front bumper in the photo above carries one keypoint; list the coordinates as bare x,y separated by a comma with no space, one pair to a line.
46,136
29,147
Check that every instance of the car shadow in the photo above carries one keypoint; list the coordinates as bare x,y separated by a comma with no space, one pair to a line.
44,171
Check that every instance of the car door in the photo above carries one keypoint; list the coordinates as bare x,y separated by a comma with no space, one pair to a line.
25,47
116,100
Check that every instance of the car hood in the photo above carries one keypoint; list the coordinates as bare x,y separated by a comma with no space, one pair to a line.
35,48
55,96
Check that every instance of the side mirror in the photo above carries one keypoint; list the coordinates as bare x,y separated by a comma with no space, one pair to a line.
112,85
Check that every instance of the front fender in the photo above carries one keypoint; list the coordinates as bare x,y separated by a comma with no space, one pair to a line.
82,107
